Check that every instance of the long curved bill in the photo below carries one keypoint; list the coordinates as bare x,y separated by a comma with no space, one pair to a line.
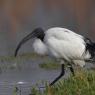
34,34
25,39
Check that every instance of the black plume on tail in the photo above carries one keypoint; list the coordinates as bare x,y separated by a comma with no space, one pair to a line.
90,46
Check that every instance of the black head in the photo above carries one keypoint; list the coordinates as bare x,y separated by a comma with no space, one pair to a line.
37,33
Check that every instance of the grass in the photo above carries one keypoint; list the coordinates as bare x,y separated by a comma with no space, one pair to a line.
10,62
83,83
49,64
22,56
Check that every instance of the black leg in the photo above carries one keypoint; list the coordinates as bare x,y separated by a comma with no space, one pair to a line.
62,73
71,69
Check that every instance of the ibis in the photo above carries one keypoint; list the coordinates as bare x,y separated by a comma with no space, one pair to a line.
62,44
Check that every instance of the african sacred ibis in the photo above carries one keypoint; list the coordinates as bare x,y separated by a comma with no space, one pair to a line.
63,44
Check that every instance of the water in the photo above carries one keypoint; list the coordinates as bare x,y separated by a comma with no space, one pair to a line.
25,77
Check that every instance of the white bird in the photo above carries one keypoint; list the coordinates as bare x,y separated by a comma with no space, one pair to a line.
63,44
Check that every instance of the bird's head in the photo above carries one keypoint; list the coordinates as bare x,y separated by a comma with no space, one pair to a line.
37,33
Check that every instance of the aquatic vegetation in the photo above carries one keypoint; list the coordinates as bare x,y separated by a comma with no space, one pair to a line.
11,63
49,64
83,83
15,91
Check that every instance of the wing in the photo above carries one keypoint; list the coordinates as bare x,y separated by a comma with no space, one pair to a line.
65,49
64,34
64,43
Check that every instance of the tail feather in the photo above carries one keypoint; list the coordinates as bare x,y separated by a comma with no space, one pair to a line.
80,63
90,47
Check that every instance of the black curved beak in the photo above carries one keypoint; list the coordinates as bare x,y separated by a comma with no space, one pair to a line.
25,39
36,33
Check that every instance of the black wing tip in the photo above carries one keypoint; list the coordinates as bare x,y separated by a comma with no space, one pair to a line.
88,41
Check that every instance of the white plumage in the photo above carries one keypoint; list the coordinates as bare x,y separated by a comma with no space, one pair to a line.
39,47
62,44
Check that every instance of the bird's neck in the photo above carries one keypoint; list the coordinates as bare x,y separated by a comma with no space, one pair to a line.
41,35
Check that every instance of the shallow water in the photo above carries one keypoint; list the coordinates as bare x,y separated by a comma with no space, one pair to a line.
27,75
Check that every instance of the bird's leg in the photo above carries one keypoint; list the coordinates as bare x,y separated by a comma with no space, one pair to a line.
61,74
71,69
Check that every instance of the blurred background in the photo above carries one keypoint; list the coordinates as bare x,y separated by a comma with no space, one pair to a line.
19,17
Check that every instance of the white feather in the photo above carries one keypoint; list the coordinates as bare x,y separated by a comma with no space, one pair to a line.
80,63
64,34
63,43
39,47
